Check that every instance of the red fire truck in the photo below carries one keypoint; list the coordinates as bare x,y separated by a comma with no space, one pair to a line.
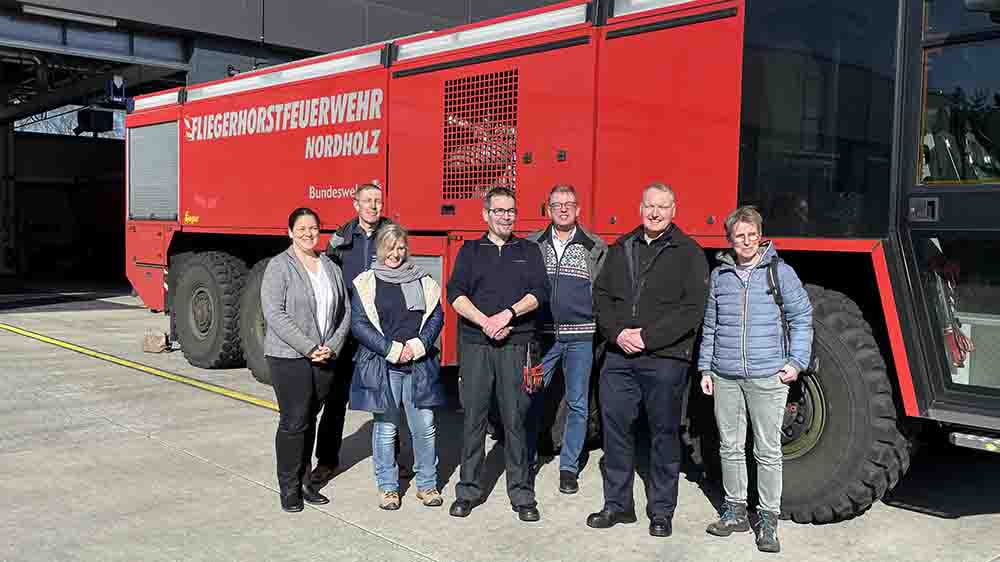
868,133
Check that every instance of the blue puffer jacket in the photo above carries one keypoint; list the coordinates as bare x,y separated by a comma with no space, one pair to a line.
370,389
743,335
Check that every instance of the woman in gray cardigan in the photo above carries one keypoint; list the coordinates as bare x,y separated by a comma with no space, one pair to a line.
307,316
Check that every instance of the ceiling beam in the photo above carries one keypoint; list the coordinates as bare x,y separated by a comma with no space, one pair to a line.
77,92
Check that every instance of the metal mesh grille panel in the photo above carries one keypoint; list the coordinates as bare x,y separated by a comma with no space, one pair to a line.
152,172
480,134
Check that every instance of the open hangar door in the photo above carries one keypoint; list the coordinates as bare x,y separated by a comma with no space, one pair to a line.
64,86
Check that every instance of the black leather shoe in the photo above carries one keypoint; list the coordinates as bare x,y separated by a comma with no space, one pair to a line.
292,501
605,518
312,496
461,508
527,513
661,527
568,483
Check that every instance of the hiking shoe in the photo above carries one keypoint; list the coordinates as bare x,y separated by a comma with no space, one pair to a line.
733,520
430,498
767,532
388,500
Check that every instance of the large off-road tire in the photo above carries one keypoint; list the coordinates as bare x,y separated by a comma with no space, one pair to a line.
844,448
252,327
207,309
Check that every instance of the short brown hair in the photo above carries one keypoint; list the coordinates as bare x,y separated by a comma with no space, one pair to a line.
386,238
499,191
747,214
562,188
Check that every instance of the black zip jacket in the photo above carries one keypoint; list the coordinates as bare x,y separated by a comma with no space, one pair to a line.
666,300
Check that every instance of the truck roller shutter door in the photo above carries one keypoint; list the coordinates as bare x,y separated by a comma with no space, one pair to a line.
152,173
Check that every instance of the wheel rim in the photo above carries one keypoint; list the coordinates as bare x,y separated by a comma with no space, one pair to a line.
805,417
202,312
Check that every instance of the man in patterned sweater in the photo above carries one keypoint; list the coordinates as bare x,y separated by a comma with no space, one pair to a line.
573,257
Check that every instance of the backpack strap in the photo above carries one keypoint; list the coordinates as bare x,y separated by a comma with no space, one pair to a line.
774,289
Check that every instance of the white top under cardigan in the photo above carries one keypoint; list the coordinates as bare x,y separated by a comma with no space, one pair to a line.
324,297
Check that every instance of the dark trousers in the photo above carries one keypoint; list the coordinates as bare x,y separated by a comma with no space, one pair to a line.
489,371
657,384
331,423
300,387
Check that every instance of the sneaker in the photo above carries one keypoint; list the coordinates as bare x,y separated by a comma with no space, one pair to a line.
733,520
431,498
767,532
388,500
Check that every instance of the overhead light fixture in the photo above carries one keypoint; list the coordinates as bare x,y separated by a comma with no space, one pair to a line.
519,27
69,16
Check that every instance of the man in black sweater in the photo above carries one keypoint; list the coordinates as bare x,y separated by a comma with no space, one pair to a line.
499,280
649,301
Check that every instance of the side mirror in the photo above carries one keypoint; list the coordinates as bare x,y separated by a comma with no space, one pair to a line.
991,6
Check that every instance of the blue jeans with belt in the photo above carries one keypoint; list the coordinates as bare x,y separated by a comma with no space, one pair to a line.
577,358
422,431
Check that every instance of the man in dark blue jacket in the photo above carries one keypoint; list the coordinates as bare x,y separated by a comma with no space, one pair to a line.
573,258
498,281
352,247
649,300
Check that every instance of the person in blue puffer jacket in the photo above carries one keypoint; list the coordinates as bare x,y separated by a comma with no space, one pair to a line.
747,361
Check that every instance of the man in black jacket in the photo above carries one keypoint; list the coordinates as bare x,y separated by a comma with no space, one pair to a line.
649,301
498,282
352,247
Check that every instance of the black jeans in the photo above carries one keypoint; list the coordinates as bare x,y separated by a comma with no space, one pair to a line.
489,370
300,387
658,384
331,424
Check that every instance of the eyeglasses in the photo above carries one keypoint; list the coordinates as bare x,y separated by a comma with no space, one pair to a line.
563,206
497,212
747,237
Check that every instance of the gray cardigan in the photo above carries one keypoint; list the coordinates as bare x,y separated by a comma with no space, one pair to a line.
289,305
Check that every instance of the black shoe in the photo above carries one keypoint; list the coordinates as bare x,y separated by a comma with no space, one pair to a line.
568,483
461,508
527,513
661,527
310,495
321,475
605,518
733,520
767,532
292,501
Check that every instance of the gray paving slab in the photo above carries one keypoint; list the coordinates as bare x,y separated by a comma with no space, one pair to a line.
100,462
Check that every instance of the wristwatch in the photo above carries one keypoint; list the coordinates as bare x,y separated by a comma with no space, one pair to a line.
513,313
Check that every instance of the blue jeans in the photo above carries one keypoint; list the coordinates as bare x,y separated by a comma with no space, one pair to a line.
422,432
577,359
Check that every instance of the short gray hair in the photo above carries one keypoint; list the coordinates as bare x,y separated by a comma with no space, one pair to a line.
387,238
746,214
562,188
659,186
497,192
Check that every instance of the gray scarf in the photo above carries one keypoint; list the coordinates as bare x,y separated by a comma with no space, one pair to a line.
407,275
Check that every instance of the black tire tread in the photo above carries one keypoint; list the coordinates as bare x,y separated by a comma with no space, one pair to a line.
257,271
888,457
230,273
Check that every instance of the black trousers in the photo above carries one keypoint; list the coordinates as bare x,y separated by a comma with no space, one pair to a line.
658,384
489,371
300,387
331,424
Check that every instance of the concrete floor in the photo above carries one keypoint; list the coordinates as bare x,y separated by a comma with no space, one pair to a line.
101,462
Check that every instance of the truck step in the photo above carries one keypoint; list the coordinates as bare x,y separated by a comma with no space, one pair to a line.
989,443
